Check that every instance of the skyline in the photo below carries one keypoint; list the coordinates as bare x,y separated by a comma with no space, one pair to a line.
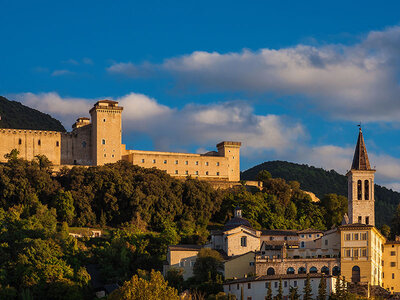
290,82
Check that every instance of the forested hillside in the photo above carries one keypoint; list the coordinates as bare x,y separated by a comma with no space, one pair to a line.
15,115
322,182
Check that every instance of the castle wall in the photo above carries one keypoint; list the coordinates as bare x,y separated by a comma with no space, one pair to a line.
30,143
181,164
76,146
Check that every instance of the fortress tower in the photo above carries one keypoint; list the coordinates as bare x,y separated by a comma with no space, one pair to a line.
361,197
106,132
231,150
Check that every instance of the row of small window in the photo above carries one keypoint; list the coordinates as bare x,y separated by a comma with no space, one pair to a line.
310,235
195,173
38,142
302,270
269,284
392,263
177,162
356,236
355,252
105,155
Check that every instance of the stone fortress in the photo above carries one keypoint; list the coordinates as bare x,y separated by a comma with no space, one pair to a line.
356,250
97,141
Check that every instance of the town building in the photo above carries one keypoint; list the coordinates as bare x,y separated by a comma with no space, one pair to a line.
97,140
356,250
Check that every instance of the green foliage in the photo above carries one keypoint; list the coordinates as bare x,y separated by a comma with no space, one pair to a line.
64,205
269,292
279,296
17,116
322,182
141,289
12,156
385,229
307,291
336,207
293,293
175,278
396,221
208,264
322,289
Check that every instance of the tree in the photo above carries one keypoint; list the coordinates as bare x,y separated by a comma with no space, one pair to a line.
139,289
64,204
175,278
279,296
307,291
43,162
269,292
263,175
208,265
12,156
336,207
241,293
396,221
385,229
322,288
293,295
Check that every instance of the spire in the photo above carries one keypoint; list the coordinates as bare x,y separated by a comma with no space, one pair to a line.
360,159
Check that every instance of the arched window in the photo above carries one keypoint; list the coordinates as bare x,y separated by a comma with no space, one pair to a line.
302,270
325,270
359,190
366,189
290,270
271,271
57,144
38,142
336,271
19,141
355,274
313,270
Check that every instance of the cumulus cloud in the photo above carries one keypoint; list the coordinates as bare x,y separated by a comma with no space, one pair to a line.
359,81
202,126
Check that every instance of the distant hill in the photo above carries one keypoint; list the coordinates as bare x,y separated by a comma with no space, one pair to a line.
321,182
15,115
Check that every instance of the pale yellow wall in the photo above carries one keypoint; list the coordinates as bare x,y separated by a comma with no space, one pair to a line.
232,241
76,146
390,283
370,263
181,164
106,124
50,144
240,266
231,150
181,259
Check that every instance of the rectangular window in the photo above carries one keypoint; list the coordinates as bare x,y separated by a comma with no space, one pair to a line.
285,284
176,171
355,252
392,275
103,141
57,144
348,236
105,155
243,241
295,283
348,253
186,162
176,162
364,252
217,173
206,163
237,286
275,284
197,163
20,142
356,236
187,172
206,172
38,142
249,285
165,161
326,242
367,220
142,160
154,161
197,172
364,236
266,285
392,253
392,264
217,164
359,219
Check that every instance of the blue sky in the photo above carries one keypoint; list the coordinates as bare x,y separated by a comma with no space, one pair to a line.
290,79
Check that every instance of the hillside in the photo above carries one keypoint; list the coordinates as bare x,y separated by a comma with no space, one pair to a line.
321,182
15,115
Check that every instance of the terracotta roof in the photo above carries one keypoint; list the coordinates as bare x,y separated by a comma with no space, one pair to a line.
360,159
276,277
355,225
236,222
279,232
309,230
185,247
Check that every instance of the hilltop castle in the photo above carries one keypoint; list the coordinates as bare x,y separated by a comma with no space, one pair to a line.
98,140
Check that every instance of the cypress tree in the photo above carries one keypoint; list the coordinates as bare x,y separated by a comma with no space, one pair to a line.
293,294
269,292
307,292
241,294
280,291
322,288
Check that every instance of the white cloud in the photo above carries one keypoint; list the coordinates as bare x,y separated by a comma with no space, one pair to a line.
348,82
56,73
202,126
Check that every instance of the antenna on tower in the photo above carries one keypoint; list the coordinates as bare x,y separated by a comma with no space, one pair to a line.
359,125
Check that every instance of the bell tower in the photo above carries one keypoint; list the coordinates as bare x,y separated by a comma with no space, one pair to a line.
360,178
